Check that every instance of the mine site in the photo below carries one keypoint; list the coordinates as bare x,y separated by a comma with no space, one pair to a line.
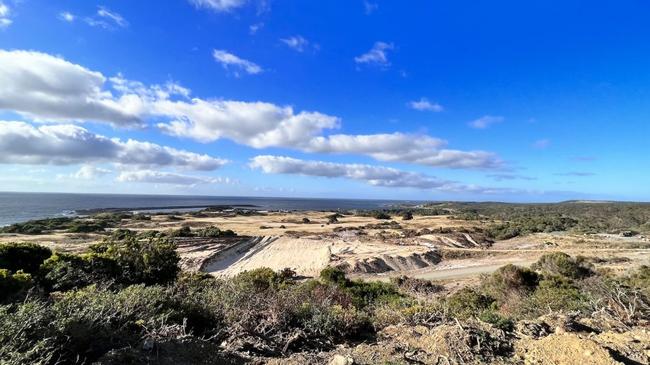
442,254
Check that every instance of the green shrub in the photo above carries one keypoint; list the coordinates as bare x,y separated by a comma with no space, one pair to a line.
497,320
87,227
508,281
264,279
14,285
407,216
82,325
38,226
184,231
333,275
416,286
559,263
366,293
214,232
554,294
27,257
153,261
467,303
63,271
122,234
641,279
381,215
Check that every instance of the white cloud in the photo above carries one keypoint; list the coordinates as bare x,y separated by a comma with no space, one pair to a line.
42,87
48,88
106,19
5,13
369,7
425,105
255,124
161,177
373,175
297,43
377,55
219,5
22,143
254,28
90,172
400,147
67,16
485,122
231,62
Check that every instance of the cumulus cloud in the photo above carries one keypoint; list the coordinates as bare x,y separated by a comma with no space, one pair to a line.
22,143
161,177
41,86
107,19
219,5
90,172
373,175
400,147
378,55
254,28
485,122
48,88
5,13
425,105
235,64
67,16
255,124
297,43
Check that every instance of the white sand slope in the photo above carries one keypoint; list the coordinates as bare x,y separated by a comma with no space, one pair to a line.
308,256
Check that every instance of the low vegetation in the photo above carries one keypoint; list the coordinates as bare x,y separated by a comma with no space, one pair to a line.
126,299
511,220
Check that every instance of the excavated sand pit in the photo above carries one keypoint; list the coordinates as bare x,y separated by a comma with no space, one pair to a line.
308,256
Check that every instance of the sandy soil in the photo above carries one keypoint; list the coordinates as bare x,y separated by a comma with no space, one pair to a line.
282,240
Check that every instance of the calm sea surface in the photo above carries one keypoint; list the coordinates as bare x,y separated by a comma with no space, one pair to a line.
20,207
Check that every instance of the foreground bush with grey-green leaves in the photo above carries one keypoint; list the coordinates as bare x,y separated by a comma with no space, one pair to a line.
125,301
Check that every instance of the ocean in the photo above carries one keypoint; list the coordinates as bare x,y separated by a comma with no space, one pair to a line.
20,207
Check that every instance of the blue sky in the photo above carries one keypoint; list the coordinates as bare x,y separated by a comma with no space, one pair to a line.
461,100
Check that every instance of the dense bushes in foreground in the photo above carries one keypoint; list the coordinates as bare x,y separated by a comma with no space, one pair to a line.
127,297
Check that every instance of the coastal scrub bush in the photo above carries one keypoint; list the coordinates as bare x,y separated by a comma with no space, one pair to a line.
184,231
510,282
407,216
554,293
214,232
64,271
14,285
260,279
38,226
467,303
82,325
334,275
416,286
87,226
559,263
27,257
381,215
153,261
